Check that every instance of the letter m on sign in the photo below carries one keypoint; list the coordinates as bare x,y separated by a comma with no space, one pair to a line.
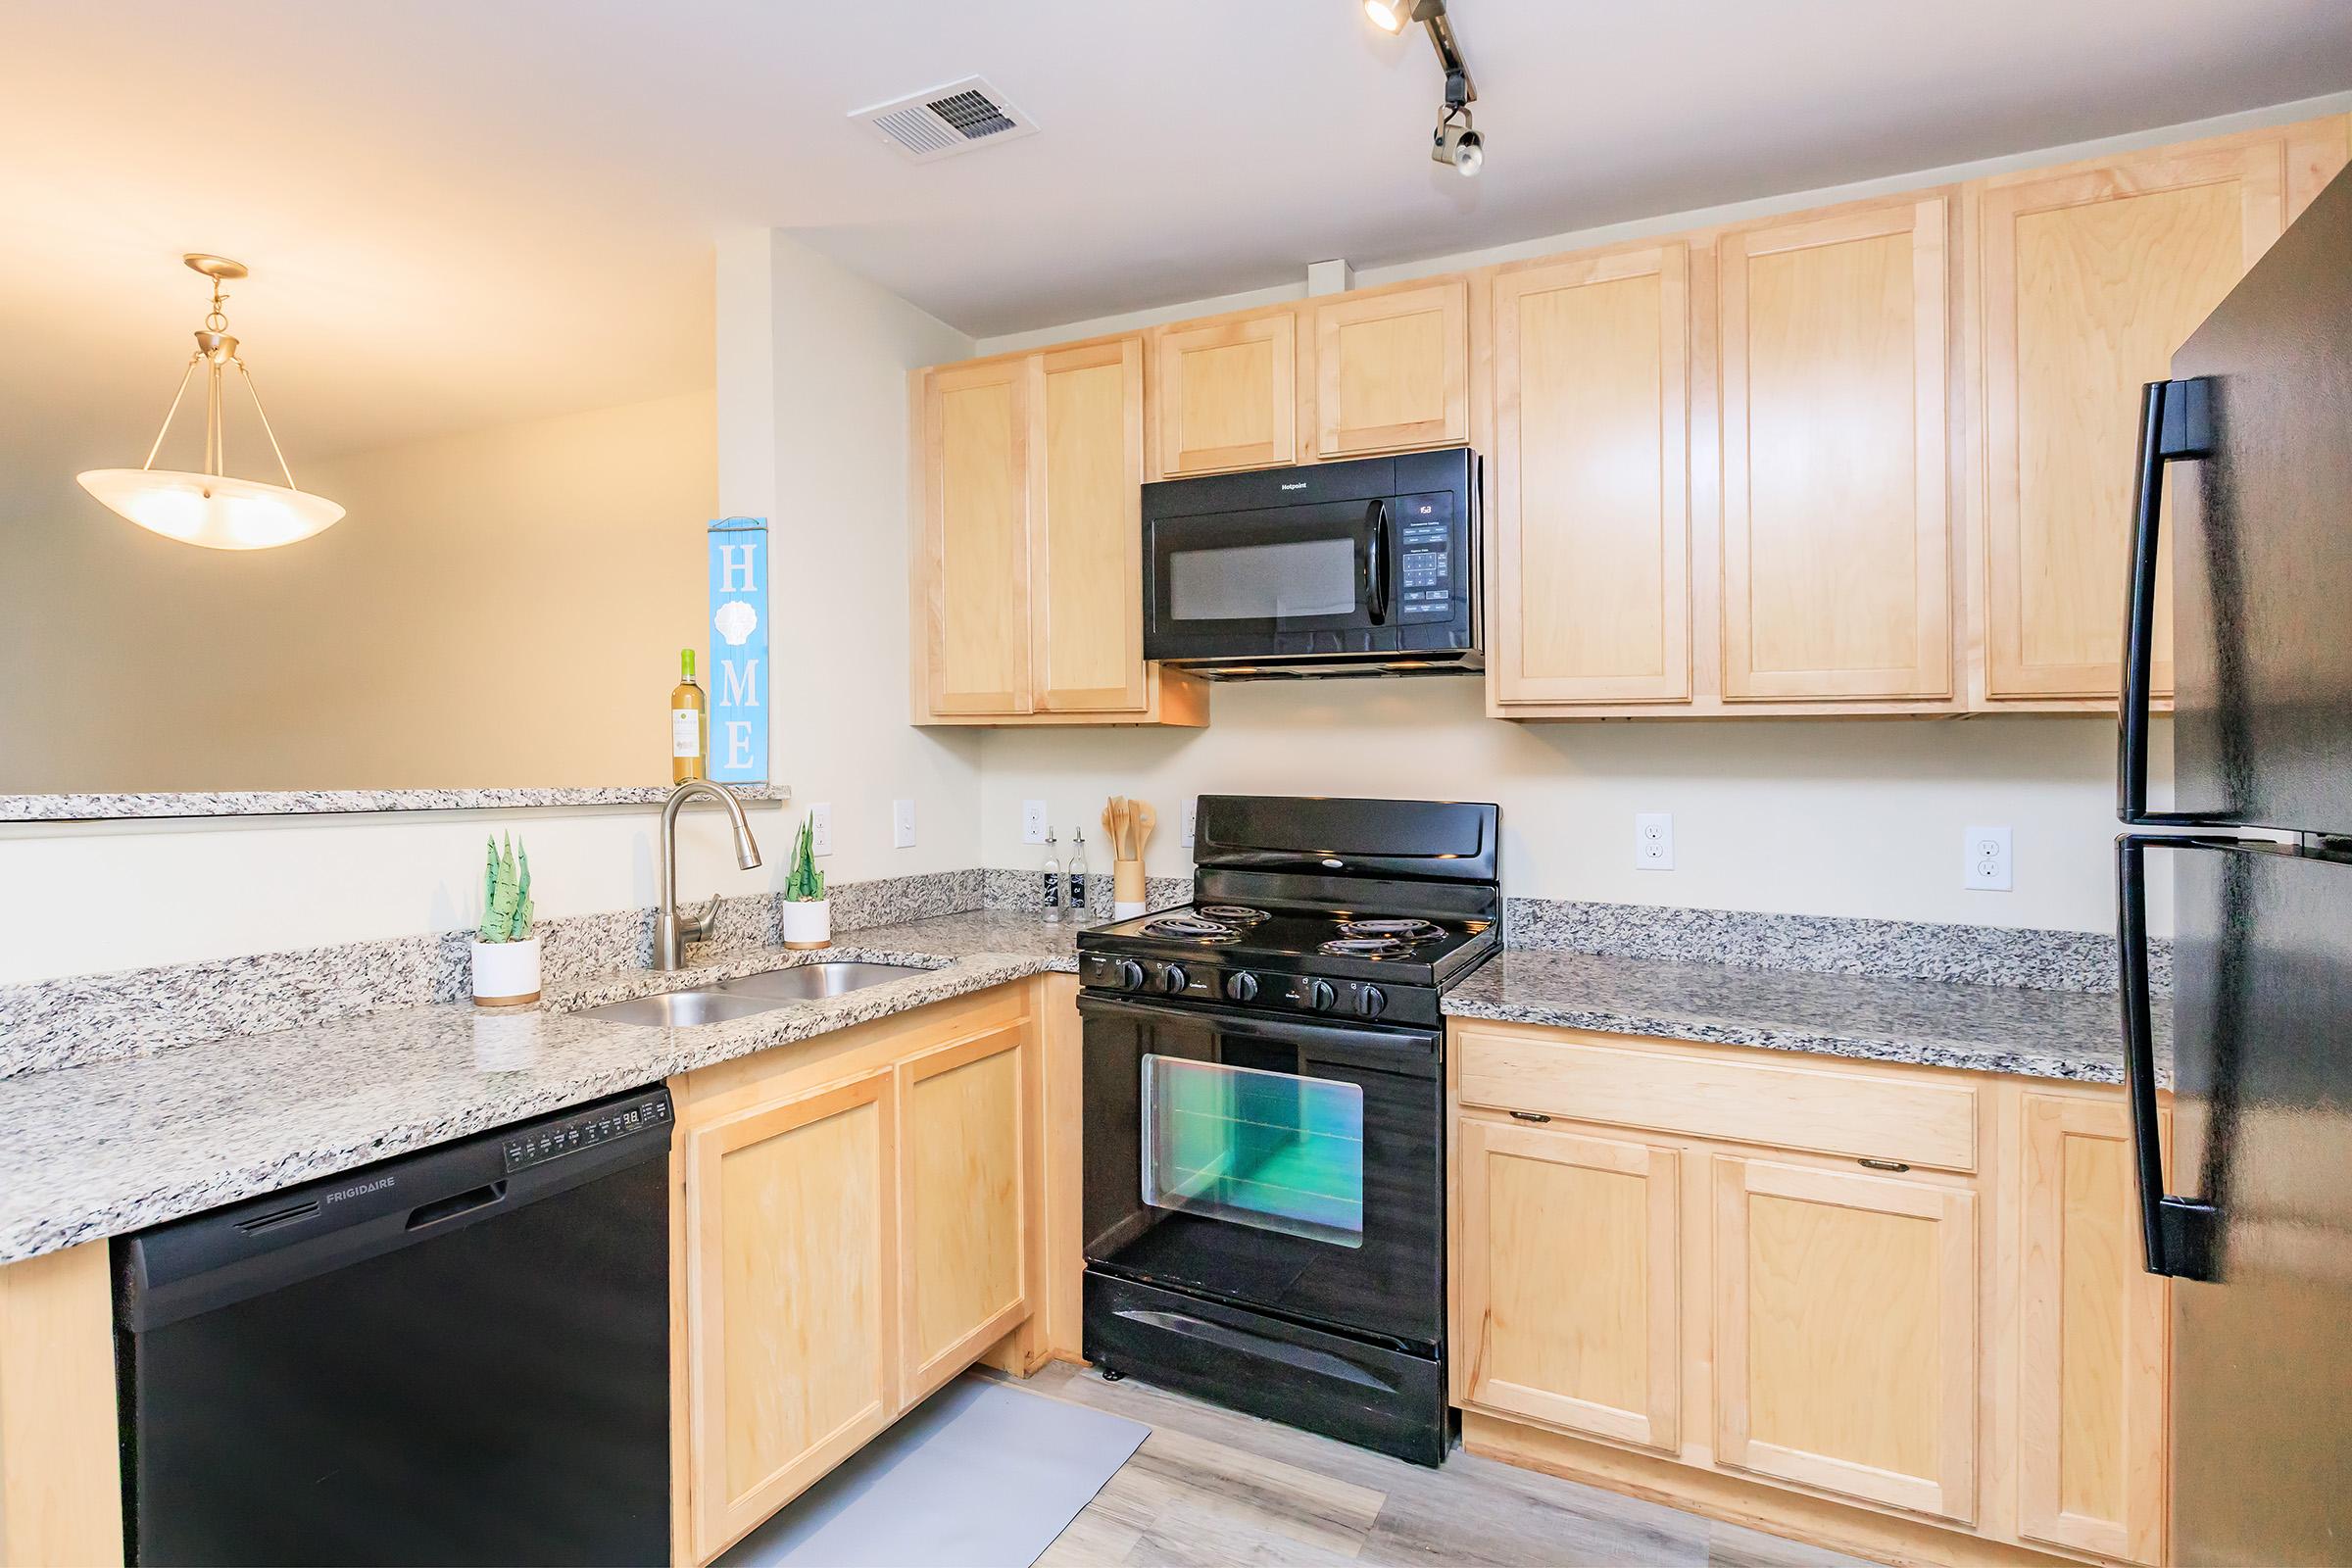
738,631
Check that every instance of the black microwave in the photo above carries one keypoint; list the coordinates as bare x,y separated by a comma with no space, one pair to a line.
1364,568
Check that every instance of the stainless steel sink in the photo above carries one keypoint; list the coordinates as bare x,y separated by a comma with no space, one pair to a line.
813,980
682,1008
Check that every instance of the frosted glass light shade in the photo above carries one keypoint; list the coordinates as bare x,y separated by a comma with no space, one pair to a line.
210,510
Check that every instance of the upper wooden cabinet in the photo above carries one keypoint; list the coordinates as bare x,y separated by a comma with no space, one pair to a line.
2092,1437
1228,393
1590,580
1836,523
977,432
1029,583
2090,276
1392,369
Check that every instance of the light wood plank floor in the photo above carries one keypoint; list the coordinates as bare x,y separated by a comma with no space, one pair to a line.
1212,1488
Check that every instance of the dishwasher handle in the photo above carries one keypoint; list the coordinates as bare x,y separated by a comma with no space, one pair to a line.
216,1259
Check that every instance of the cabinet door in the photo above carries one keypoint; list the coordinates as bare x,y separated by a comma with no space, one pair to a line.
1228,394
1837,520
964,1197
791,1296
1592,531
976,533
1088,587
2091,1420
1569,1271
2091,278
1392,371
1846,1333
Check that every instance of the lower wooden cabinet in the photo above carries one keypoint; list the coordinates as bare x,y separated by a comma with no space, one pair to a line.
1846,1333
1567,1286
1894,1309
2092,1340
967,1111
792,1248
854,1224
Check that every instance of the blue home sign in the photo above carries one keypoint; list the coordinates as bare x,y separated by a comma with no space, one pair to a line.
739,673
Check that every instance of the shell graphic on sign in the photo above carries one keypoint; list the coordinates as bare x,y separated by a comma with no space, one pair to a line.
736,621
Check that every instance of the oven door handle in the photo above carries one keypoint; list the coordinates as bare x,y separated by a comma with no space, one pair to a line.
1397,1050
1376,563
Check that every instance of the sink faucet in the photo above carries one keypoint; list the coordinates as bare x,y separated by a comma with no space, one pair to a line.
672,930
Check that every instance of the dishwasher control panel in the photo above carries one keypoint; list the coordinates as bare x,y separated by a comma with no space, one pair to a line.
553,1139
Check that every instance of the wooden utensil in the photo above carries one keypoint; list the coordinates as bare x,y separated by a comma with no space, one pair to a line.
1146,819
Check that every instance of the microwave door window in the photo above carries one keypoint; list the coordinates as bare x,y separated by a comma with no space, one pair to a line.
1292,580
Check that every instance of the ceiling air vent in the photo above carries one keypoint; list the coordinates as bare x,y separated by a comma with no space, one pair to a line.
946,121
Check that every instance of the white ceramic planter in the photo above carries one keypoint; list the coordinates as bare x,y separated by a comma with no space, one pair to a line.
808,924
506,974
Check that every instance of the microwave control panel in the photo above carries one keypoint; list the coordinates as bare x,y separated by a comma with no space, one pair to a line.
1425,586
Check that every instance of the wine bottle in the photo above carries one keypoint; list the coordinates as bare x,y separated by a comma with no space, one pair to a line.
689,723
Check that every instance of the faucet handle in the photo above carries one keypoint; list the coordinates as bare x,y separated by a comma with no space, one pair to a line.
695,924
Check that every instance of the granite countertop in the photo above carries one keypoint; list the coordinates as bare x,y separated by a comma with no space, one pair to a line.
1981,1028
116,1145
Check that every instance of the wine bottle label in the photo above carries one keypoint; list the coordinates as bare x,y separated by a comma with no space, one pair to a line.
685,732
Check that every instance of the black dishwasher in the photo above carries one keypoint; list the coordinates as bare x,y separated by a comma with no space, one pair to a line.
457,1356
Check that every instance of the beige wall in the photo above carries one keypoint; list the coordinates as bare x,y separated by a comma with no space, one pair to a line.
503,606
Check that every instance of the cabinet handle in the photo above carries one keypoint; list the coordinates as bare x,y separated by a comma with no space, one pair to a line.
1529,1115
1881,1164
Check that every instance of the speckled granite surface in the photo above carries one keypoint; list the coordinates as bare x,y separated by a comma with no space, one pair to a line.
1026,890
1981,1028
63,1024
1897,950
283,802
99,1149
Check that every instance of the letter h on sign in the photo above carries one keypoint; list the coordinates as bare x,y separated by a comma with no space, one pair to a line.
739,673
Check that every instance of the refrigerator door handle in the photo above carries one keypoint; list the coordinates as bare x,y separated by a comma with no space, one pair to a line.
2176,424
2177,1233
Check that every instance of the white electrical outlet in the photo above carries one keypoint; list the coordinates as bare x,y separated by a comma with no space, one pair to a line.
820,828
1033,821
1985,860
1653,841
901,825
1191,809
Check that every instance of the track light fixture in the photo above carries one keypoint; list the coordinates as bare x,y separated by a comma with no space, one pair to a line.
1454,141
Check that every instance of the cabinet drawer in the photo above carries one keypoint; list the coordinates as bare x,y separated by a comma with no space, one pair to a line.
1613,1079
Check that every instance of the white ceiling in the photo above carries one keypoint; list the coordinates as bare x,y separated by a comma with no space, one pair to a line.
461,211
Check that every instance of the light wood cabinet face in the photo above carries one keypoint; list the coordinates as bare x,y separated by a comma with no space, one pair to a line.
966,1202
1836,530
1570,1280
2091,1422
976,444
1845,1334
1392,371
1228,394
1089,622
2091,280
1593,532
792,1299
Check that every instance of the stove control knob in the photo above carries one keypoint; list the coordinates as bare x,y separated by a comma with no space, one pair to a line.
1241,986
1128,974
1173,979
1371,1001
1318,995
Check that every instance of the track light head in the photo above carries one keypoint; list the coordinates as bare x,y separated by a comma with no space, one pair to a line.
1394,16
1459,145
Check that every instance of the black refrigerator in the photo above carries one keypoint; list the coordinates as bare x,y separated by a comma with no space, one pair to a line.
2252,1214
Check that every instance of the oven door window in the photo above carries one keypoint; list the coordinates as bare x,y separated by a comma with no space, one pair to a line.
1276,1152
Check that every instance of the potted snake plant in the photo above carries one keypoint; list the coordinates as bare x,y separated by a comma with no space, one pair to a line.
506,955
807,914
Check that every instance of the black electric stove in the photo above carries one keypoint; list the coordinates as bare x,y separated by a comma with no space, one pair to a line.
1264,1113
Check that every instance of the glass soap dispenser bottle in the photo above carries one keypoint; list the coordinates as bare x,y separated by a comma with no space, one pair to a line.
1077,882
1052,888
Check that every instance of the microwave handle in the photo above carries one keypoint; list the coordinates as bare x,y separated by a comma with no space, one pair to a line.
1376,562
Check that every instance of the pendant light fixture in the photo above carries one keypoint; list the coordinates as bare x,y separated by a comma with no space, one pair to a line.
210,509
